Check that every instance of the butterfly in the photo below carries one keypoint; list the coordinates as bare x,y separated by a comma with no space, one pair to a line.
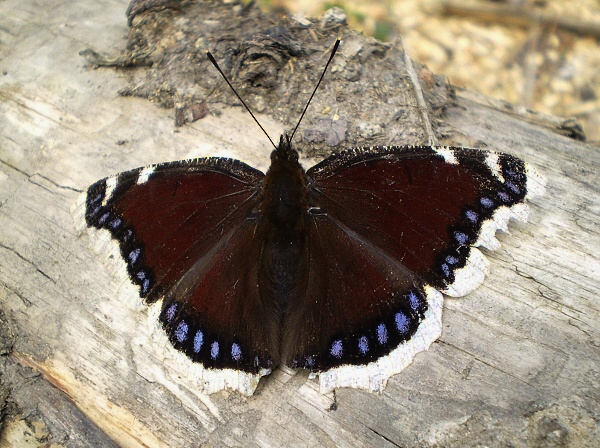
337,269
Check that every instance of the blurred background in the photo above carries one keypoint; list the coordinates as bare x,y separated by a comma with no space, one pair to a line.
541,54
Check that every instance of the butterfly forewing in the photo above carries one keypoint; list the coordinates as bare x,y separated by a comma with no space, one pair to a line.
166,217
423,208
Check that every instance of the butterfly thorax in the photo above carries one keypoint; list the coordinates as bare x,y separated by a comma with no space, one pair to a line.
284,193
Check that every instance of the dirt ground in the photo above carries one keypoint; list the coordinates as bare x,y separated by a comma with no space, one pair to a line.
541,54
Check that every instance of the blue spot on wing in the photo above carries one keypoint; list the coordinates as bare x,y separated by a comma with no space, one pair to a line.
401,322
363,345
181,331
198,341
337,349
134,255
382,334
170,314
236,352
214,350
461,237
486,202
414,301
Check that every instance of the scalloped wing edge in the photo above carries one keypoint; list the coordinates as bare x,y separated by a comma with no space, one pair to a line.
374,376
176,364
477,267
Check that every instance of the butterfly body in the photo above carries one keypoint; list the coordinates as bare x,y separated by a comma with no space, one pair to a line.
281,222
336,269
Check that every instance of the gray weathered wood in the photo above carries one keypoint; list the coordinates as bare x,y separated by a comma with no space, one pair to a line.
518,359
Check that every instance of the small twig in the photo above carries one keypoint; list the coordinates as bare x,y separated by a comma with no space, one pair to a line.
421,104
531,66
520,16
106,60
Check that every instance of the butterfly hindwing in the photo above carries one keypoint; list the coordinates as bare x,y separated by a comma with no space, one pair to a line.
216,313
359,303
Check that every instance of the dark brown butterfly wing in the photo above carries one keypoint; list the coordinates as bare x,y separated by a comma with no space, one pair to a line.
416,205
216,314
389,227
179,227
359,305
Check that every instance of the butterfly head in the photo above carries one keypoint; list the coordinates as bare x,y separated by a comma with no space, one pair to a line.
284,151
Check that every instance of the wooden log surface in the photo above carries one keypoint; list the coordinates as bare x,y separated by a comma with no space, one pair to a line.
517,363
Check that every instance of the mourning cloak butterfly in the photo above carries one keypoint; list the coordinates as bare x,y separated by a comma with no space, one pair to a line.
337,269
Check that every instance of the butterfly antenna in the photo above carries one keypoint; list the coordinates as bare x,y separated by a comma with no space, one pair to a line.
214,62
335,47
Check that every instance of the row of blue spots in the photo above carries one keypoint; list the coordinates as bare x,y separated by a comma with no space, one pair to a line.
114,224
401,320
181,334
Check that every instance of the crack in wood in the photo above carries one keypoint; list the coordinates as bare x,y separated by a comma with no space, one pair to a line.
10,249
387,439
476,358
